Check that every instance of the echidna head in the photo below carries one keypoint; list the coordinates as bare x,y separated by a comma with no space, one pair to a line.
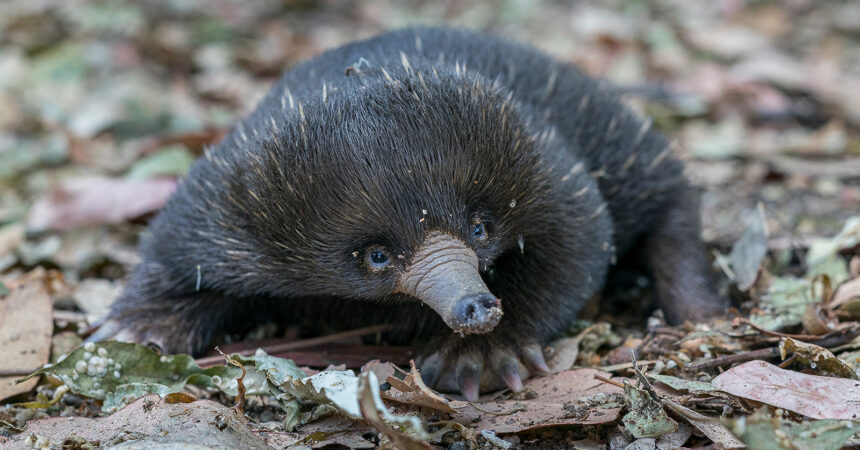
399,189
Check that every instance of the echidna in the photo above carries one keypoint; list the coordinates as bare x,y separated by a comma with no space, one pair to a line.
426,167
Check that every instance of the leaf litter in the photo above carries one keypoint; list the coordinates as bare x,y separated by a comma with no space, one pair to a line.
95,136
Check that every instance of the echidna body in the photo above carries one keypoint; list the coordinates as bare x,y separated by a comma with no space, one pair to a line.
469,191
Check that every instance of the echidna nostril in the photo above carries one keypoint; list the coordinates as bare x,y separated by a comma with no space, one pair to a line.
475,310
471,311
488,301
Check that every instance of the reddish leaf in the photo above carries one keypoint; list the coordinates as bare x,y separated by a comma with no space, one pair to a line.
26,324
95,200
571,397
811,395
412,391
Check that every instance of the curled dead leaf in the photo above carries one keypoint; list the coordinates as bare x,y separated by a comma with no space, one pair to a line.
373,412
816,321
817,357
412,391
845,293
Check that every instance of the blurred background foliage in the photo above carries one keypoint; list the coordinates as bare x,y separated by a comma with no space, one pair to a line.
102,102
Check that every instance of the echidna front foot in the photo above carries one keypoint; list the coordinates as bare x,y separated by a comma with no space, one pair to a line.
475,364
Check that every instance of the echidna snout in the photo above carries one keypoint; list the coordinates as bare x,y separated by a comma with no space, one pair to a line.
444,275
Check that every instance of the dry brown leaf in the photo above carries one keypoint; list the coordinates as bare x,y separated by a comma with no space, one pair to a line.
854,267
26,324
412,391
96,200
150,421
382,370
817,357
711,428
179,397
811,395
815,319
572,397
332,430
566,350
370,410
303,439
846,292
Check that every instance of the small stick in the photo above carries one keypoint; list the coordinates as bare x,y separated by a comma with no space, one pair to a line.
787,362
801,337
644,380
607,380
762,353
842,338
623,366
498,413
294,345
240,382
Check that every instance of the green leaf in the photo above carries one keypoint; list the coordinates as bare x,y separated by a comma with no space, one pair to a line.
823,256
328,391
96,369
173,160
684,385
761,431
784,303
833,266
646,418
66,62
847,238
278,370
122,18
128,393
255,381
749,251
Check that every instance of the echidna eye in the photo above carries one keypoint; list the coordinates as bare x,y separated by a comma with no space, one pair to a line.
378,258
479,232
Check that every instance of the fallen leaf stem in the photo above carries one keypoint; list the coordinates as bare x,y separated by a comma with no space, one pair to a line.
498,413
16,372
607,380
294,345
762,353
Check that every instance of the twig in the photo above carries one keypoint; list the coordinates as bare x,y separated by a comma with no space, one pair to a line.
623,366
294,345
787,362
607,380
498,413
643,380
801,337
16,372
240,382
843,337
762,353
69,316
10,426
